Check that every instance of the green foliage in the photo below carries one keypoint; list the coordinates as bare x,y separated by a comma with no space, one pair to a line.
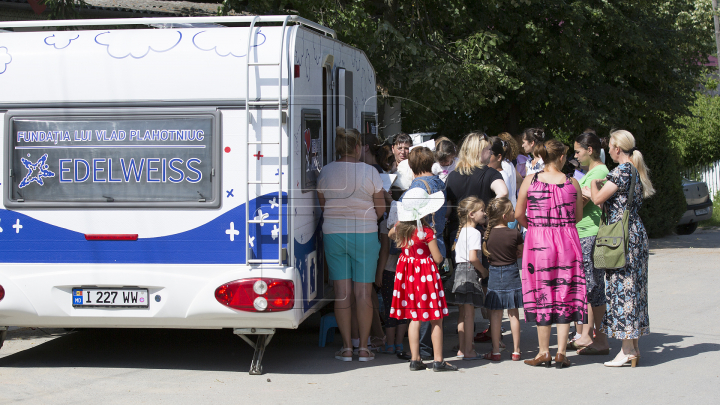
63,9
697,136
715,220
502,65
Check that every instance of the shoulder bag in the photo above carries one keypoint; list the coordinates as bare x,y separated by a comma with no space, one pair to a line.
612,239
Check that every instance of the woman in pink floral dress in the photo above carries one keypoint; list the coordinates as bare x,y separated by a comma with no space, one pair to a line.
553,280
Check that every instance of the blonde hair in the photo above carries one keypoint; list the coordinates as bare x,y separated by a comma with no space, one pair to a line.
466,207
469,157
346,141
513,148
626,142
497,208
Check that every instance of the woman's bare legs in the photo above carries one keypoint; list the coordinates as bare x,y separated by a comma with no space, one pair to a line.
563,330
543,333
496,329
343,309
514,316
363,303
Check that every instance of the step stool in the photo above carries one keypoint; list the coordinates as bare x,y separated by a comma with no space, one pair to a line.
327,331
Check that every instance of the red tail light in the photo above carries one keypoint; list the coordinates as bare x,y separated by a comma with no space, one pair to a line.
2,293
257,294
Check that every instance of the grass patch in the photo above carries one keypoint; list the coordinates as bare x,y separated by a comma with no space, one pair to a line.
715,220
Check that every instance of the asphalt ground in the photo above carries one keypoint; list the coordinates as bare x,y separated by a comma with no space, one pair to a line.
679,361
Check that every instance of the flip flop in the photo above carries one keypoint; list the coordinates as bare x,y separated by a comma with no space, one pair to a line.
591,351
574,346
477,356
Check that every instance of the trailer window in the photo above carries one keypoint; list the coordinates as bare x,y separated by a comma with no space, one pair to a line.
110,159
311,149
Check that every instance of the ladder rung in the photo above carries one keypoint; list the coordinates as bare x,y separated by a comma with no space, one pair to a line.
263,182
262,143
278,103
265,221
262,64
261,261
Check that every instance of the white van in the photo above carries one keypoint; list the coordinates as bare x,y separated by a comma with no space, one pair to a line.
164,177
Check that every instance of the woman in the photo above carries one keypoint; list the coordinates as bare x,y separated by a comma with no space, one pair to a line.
472,176
627,288
588,148
351,196
499,150
513,151
531,139
553,280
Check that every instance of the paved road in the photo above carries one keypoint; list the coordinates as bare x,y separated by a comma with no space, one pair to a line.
679,364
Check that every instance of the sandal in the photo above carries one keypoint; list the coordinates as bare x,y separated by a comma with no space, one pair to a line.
388,349
516,356
492,356
375,343
443,366
339,354
370,356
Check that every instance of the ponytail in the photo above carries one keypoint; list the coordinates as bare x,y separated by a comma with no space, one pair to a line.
497,208
550,152
626,142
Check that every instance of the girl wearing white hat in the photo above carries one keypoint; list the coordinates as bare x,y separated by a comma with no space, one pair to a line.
418,293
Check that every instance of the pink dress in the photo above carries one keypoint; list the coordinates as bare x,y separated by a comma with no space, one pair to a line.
418,293
553,279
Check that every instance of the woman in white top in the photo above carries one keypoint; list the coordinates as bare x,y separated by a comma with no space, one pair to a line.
533,138
351,196
499,151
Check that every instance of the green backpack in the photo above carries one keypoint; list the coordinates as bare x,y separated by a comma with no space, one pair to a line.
612,240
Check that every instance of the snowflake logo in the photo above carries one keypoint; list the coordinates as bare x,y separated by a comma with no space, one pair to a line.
36,171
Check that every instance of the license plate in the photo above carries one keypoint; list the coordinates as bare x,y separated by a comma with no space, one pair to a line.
703,211
110,297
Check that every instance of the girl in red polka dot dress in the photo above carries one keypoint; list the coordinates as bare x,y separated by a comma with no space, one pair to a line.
418,292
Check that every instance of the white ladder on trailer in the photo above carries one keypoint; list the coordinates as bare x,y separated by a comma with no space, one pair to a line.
258,181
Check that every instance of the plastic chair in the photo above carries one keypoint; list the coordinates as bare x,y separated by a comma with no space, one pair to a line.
327,331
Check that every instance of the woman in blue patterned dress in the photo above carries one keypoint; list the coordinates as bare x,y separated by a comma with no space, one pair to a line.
626,290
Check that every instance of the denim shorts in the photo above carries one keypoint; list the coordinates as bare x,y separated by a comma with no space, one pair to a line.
352,255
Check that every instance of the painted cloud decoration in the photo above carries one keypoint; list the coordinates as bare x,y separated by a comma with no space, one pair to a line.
224,45
5,59
61,40
137,44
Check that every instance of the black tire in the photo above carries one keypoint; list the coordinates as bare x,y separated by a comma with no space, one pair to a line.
686,229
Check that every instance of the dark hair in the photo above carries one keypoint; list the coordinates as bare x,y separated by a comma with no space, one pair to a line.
550,151
513,149
590,140
402,138
421,160
385,157
405,230
536,135
372,141
499,146
444,148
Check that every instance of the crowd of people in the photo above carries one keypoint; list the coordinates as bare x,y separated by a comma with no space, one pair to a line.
497,224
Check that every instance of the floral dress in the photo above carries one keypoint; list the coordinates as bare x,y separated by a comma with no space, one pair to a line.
626,292
418,294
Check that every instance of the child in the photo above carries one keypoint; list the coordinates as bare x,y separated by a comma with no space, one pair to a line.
387,264
503,246
467,292
445,158
417,293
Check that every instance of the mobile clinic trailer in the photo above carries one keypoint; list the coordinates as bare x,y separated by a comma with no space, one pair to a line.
164,177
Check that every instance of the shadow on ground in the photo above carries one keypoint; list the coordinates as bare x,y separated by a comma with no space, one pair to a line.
702,238
290,351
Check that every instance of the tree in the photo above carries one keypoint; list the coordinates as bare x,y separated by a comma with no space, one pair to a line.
508,64
63,9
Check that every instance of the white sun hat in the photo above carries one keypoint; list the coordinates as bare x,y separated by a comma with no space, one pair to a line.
416,204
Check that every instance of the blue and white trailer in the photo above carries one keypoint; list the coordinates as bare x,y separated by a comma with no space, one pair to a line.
161,174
